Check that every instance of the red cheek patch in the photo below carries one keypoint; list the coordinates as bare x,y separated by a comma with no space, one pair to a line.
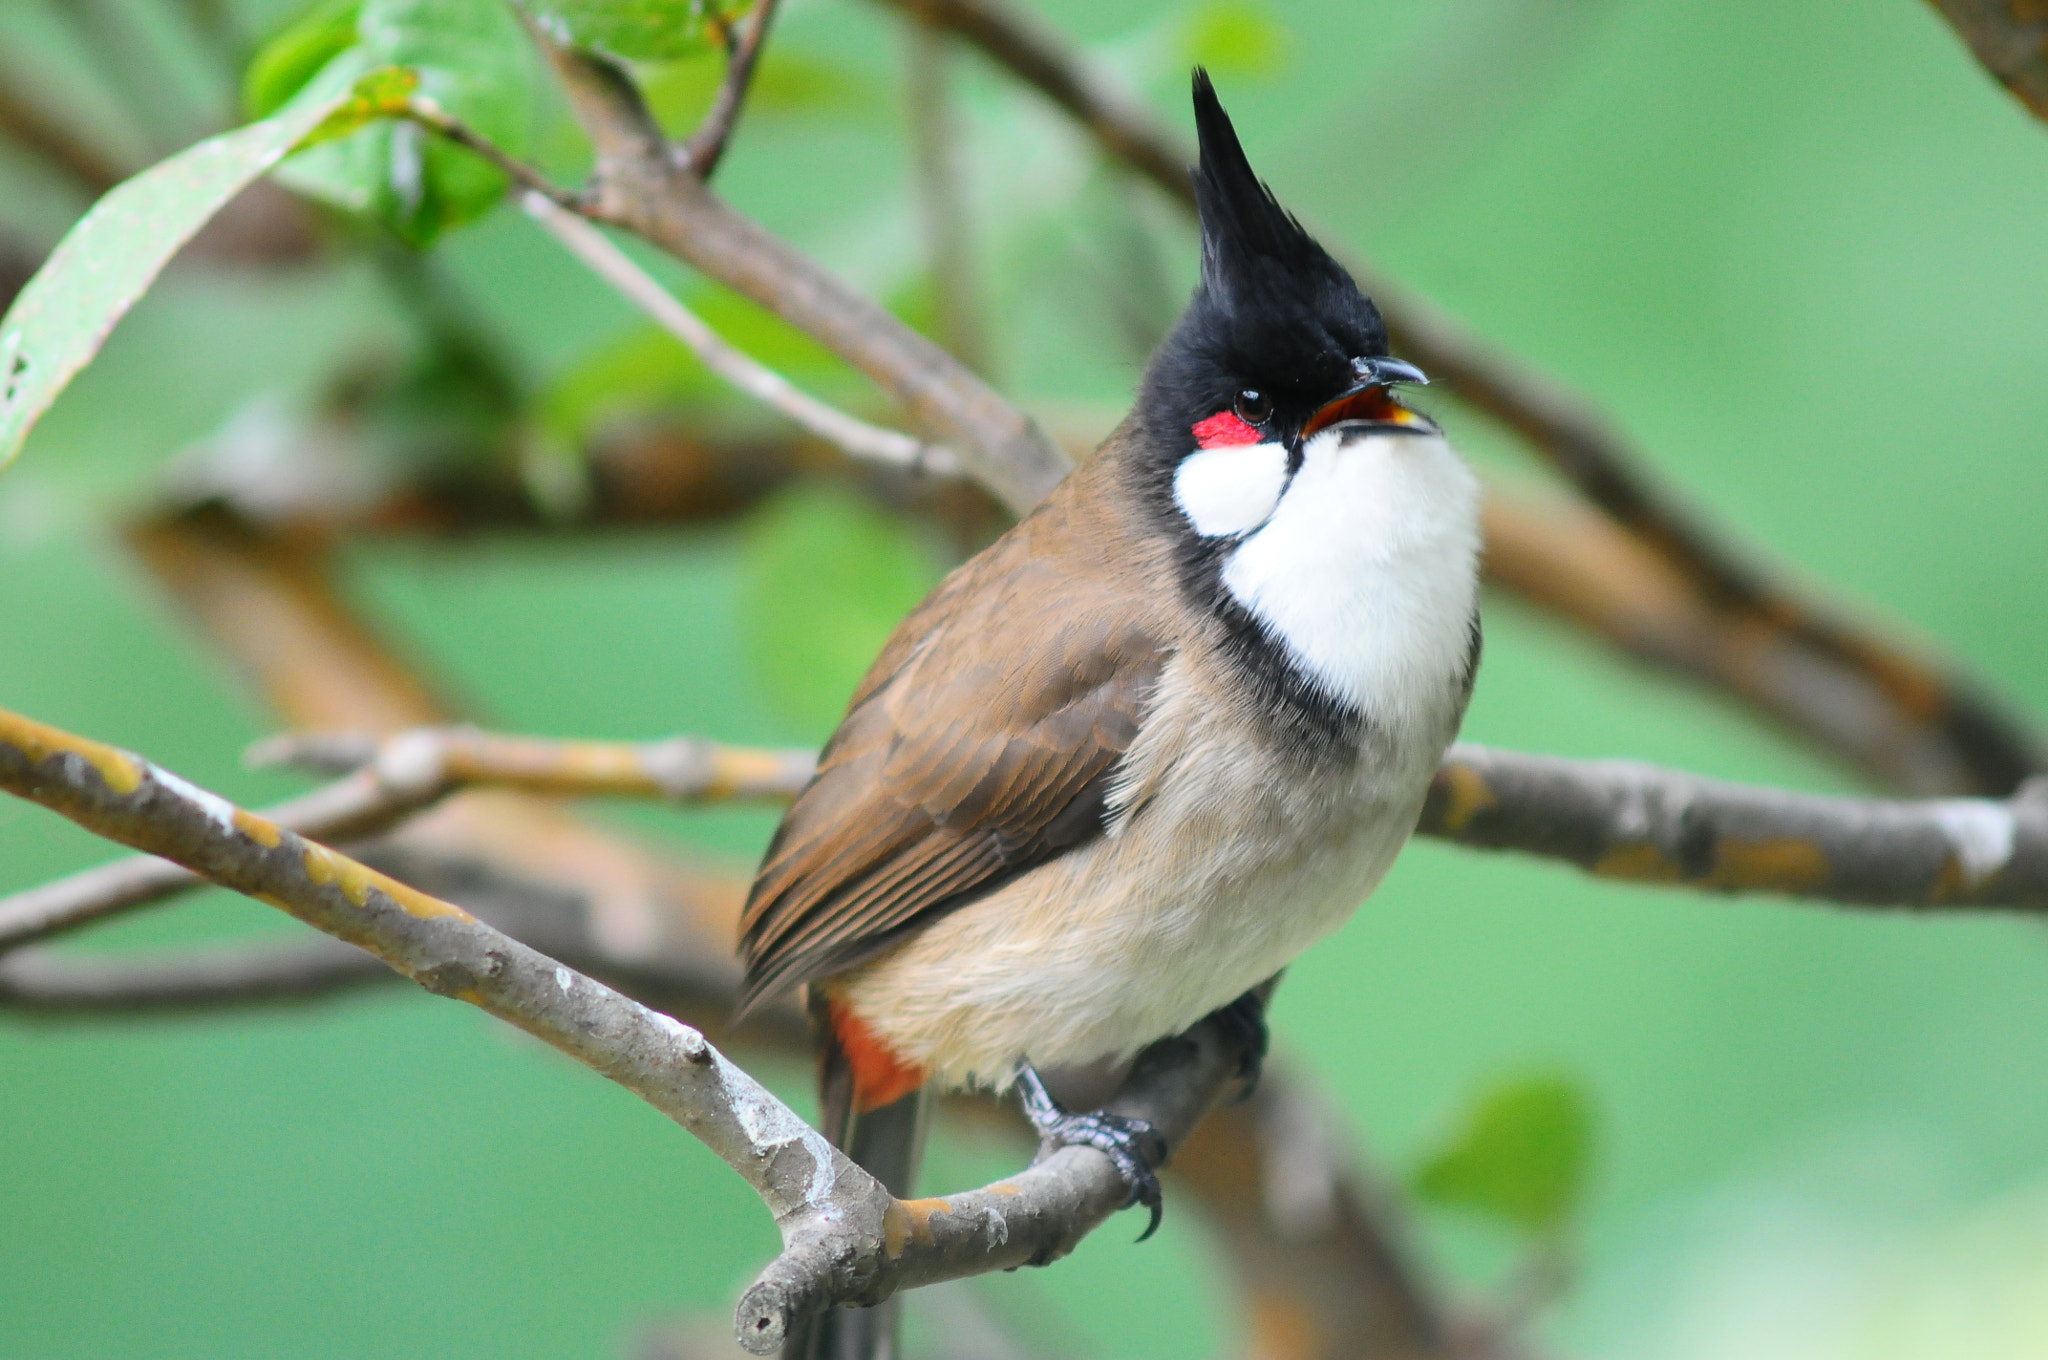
1225,428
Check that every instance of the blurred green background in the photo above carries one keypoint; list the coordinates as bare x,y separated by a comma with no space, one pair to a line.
1798,250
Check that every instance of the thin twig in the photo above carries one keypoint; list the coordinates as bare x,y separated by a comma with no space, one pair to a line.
856,437
845,1238
429,114
703,149
1994,748
639,186
362,804
387,781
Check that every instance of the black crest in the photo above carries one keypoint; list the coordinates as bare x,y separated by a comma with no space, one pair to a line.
1252,248
1273,312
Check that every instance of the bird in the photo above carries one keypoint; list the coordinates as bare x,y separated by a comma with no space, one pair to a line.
1125,764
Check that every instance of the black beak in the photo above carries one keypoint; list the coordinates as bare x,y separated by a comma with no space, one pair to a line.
1369,401
1387,372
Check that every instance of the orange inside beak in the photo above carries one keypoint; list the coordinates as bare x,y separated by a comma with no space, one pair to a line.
1374,403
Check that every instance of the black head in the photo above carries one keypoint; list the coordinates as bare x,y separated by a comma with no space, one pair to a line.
1278,341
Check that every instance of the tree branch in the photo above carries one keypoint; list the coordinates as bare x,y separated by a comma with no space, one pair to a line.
640,186
2010,40
705,147
1624,820
856,438
846,1239
1614,819
1992,748
387,781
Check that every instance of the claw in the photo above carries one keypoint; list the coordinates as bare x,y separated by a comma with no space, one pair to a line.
1133,1144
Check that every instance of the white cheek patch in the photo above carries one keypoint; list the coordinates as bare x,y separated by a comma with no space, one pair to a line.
1230,489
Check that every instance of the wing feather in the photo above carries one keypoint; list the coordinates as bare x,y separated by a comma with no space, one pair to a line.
949,777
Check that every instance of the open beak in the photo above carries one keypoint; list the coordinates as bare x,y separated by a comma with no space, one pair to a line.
1370,401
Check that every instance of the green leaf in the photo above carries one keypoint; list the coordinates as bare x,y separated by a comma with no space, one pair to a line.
635,30
1232,37
826,577
1520,1155
111,257
283,66
468,56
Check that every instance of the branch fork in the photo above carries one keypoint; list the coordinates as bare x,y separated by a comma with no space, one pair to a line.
846,1238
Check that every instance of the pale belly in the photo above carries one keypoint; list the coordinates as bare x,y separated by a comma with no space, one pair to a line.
1137,936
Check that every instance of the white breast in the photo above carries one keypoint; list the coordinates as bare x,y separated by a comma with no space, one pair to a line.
1227,857
1366,570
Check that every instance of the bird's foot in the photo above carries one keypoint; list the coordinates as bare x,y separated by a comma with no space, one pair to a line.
1133,1144
1243,1022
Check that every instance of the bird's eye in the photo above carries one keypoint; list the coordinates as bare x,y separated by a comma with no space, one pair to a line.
1252,406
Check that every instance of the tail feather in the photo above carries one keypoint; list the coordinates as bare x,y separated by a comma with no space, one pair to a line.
887,1142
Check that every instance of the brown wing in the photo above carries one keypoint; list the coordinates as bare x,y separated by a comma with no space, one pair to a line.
980,745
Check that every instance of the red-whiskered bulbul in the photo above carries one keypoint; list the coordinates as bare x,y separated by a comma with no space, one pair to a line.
1125,764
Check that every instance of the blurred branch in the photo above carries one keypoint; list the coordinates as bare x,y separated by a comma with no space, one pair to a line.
705,147
942,193
24,122
1583,567
1041,58
17,266
1620,819
1315,1248
266,601
2010,39
386,781
1992,750
856,437
43,981
846,1239
640,185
